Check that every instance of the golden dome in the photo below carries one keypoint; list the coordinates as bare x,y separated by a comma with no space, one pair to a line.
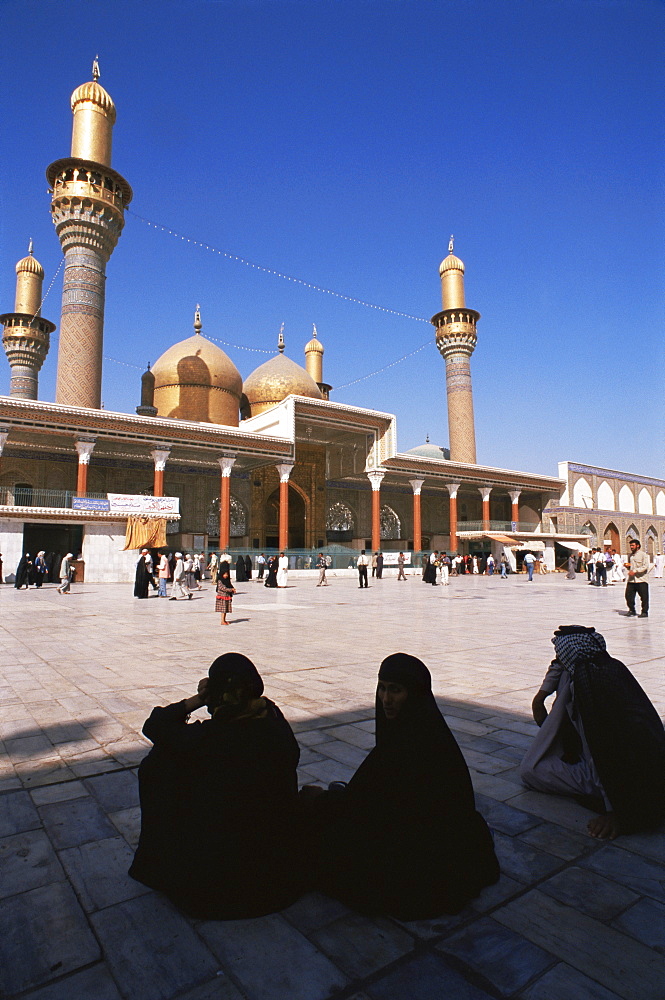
451,263
278,378
196,380
314,345
31,266
94,93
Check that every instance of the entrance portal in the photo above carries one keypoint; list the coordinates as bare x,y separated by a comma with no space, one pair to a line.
56,540
297,518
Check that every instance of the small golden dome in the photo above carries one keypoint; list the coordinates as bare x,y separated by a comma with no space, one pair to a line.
30,265
451,263
94,93
314,344
278,378
196,380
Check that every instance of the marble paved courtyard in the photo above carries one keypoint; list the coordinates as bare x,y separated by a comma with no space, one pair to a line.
570,918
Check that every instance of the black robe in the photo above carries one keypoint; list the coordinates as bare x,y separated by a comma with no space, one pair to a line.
240,570
404,838
626,740
218,813
248,567
142,579
23,572
271,579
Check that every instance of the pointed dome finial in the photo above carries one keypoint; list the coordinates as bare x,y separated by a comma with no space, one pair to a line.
427,439
280,340
197,319
95,68
30,247
314,333
451,245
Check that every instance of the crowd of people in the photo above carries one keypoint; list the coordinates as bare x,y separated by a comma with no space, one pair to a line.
226,835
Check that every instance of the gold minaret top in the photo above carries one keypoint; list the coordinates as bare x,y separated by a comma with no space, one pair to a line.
314,357
94,118
451,270
29,277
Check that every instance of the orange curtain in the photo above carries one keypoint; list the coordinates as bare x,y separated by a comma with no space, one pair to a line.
145,532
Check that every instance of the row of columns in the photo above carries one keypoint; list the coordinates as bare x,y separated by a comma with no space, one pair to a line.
85,447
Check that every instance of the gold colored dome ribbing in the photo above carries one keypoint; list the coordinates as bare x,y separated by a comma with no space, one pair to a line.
93,93
276,379
451,263
30,266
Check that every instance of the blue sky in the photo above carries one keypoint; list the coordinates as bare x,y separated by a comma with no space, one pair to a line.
342,143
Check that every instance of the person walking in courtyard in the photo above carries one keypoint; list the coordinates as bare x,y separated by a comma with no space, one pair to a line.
142,576
379,565
163,574
361,566
241,575
504,566
282,570
179,587
321,565
213,567
602,738
638,572
445,568
400,567
224,592
261,564
66,570
40,568
23,572
572,563
658,566
271,578
530,562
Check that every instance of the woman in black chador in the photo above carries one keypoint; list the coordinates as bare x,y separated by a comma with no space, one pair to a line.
241,576
404,838
219,799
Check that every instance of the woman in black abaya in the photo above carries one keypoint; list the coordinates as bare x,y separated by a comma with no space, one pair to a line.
271,578
404,838
219,799
241,576
23,572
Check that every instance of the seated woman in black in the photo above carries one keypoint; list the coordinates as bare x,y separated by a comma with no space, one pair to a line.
404,838
219,799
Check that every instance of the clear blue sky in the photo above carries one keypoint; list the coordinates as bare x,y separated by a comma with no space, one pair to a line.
342,143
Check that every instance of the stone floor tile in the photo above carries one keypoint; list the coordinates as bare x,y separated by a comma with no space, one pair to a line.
644,921
564,983
297,970
47,771
75,822
561,843
354,735
495,894
345,753
29,747
589,893
314,911
58,793
504,958
631,870
311,738
151,949
629,968
27,861
219,988
128,823
425,978
43,935
556,809
360,946
91,984
98,872
521,861
504,818
17,813
493,786
9,784
325,771
486,763
115,790
649,845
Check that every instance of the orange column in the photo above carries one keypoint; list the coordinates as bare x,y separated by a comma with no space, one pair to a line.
376,479
284,473
452,489
485,494
416,486
515,509
84,449
226,463
159,457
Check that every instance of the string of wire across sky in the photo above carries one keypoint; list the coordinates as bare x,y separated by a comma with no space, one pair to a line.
277,274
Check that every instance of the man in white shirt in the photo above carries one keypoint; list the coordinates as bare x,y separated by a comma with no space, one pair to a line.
362,564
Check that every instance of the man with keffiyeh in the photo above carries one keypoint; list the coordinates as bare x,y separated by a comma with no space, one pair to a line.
602,739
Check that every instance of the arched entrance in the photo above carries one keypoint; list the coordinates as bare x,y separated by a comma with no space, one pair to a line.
297,519
612,537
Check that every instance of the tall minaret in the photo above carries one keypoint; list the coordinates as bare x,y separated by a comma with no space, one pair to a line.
314,362
26,335
456,339
88,205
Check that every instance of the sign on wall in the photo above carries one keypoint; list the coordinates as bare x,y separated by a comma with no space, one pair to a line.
125,503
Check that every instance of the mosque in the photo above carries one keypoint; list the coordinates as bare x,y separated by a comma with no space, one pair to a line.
254,463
